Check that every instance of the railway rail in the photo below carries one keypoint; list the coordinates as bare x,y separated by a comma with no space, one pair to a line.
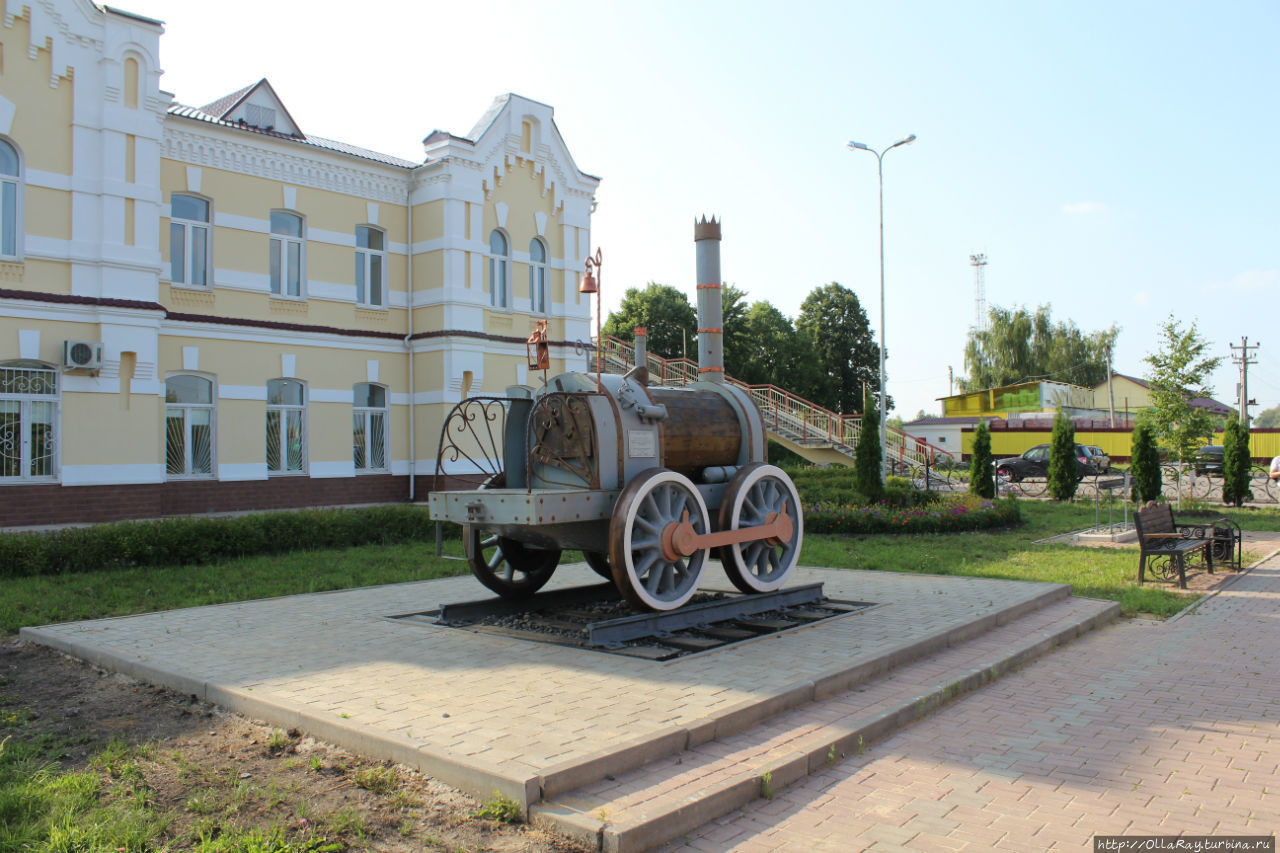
597,618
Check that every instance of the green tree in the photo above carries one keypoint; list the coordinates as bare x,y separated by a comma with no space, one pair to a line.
665,313
1064,474
866,461
1145,462
1267,418
1020,346
1236,462
736,341
981,468
842,346
771,352
1179,372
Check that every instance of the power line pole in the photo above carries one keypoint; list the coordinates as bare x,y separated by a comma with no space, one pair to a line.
1244,360
1111,394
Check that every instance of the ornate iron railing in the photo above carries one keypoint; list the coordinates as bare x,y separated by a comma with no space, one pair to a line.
470,452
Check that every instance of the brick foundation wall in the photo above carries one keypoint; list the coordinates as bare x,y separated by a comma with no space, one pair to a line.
26,506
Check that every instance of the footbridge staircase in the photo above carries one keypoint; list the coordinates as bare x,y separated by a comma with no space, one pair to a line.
810,431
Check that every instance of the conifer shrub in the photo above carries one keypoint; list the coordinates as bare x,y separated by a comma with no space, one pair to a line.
1235,464
867,460
1064,474
1144,466
981,465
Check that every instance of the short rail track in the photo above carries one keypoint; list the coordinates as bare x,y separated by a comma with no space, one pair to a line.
596,618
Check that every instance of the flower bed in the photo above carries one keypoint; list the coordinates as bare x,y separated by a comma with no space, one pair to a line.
948,515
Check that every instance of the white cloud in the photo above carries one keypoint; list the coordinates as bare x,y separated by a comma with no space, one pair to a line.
1084,208
1142,297
1248,281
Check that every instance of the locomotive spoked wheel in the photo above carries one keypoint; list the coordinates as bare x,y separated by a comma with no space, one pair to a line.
599,563
756,495
644,569
506,566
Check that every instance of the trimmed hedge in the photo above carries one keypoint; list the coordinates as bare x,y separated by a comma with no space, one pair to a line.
186,541
951,514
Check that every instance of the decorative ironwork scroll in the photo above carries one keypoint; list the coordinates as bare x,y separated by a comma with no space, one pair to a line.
563,435
470,453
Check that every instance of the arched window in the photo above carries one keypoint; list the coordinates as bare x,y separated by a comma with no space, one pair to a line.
286,426
369,427
538,276
10,201
28,421
189,240
188,426
371,267
498,264
287,256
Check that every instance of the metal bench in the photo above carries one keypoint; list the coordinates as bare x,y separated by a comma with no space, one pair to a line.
1165,545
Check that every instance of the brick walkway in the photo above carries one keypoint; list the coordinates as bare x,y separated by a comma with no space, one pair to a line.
1143,728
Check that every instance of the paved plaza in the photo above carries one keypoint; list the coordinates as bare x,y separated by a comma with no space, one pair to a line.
1141,728
486,712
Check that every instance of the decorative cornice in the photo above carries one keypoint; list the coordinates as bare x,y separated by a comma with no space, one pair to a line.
213,149
69,299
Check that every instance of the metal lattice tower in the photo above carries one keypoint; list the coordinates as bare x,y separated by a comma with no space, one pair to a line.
979,262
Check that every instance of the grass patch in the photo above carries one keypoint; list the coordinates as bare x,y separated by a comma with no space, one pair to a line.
43,599
1105,573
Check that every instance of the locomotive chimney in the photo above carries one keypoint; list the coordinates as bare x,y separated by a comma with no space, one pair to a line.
706,238
642,351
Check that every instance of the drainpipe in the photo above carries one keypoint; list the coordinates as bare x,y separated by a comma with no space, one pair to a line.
408,342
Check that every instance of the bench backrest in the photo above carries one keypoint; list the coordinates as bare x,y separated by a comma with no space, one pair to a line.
1154,518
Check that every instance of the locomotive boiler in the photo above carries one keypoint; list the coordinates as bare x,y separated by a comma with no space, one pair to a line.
649,482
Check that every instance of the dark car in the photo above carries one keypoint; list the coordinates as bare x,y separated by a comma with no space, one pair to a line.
1208,461
1098,457
1035,463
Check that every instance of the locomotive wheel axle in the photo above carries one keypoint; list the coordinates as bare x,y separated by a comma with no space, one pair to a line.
680,539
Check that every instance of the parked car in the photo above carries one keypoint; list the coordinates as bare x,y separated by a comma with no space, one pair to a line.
1099,459
1209,459
1035,463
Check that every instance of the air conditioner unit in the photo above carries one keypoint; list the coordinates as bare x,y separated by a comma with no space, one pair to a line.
82,355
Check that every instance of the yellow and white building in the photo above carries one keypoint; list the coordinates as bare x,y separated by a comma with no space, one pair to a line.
206,309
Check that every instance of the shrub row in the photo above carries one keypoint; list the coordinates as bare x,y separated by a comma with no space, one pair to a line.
949,514
184,541
835,485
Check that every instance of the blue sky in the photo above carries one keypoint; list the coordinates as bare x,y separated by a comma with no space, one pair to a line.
1115,160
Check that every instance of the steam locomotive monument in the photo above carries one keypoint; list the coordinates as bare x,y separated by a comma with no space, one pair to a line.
649,482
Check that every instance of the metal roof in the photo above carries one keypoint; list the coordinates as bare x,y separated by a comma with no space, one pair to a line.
199,114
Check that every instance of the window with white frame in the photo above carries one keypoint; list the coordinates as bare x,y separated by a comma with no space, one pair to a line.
369,427
287,254
371,267
28,421
188,426
538,275
498,268
286,427
10,201
189,240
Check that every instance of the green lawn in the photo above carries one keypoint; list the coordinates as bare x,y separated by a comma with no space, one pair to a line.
1092,572
1099,573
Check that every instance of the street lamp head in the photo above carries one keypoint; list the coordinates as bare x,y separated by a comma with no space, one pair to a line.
858,145
907,141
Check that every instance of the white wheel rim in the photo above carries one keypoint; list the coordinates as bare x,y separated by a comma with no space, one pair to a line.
660,583
762,566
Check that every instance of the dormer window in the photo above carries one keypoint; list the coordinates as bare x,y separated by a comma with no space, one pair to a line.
260,117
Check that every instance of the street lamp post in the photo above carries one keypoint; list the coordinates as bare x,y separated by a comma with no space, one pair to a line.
884,432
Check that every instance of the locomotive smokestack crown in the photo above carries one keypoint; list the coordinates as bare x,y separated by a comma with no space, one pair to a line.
706,238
